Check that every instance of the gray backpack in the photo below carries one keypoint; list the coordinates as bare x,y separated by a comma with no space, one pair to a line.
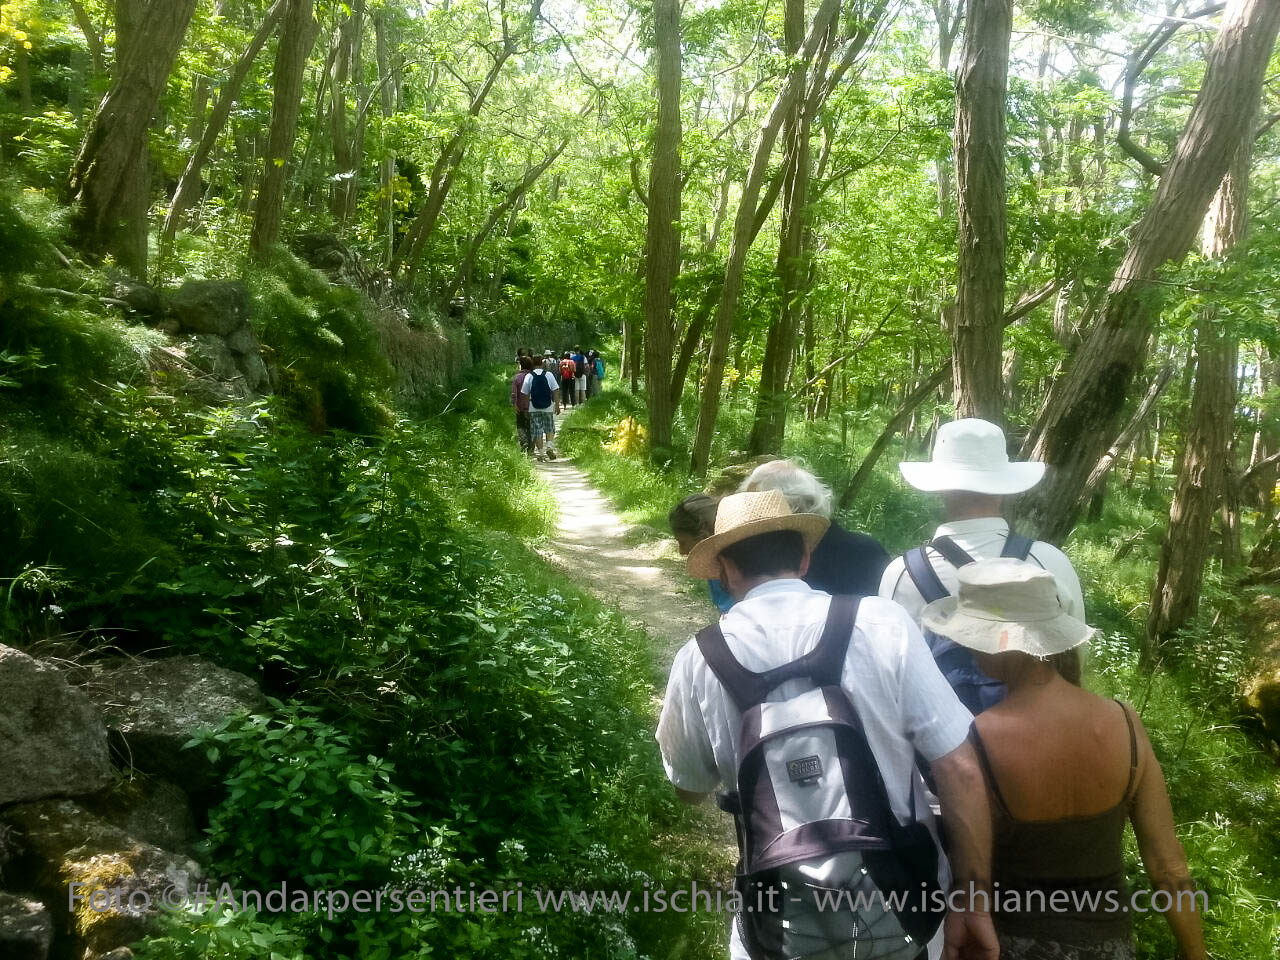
820,849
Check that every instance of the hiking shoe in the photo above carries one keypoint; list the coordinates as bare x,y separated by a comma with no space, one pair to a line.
551,454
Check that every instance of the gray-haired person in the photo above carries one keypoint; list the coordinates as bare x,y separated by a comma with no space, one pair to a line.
844,561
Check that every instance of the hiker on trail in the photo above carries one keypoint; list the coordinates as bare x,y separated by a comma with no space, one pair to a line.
580,373
568,371
597,369
810,709
1066,769
544,403
972,473
520,401
593,386
692,520
844,561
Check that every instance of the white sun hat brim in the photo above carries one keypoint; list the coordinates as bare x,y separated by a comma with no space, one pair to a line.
1039,638
1007,478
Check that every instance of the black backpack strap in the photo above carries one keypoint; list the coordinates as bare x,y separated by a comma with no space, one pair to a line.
823,664
1017,546
922,574
952,552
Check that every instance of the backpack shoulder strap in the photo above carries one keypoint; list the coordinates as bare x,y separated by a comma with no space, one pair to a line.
954,554
824,664
1017,546
922,574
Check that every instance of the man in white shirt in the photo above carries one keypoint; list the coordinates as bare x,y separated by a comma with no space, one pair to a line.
971,471
760,551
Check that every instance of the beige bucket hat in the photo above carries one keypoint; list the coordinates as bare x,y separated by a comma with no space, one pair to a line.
1004,605
743,515
970,454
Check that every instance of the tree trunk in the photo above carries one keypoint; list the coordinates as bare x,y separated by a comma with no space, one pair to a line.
662,234
722,331
389,99
189,183
1082,411
976,331
346,159
769,423
111,178
1198,491
298,34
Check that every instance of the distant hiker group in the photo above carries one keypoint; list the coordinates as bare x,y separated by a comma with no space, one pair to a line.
543,386
912,734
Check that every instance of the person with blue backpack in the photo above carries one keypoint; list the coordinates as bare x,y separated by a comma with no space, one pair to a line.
544,405
807,711
971,471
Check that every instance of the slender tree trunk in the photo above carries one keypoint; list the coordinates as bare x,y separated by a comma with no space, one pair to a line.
742,231
1199,489
389,99
346,66
769,423
189,183
1082,412
298,34
662,235
111,176
976,332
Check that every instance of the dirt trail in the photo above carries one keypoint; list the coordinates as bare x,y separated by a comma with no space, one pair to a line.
643,581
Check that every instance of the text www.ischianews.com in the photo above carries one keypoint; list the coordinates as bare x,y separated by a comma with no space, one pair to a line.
695,898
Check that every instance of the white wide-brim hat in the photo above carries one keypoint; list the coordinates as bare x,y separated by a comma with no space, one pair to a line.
743,515
971,455
1005,605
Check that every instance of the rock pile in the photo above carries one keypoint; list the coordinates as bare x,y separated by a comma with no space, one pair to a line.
72,822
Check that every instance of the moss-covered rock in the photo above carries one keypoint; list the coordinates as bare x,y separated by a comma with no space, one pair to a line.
113,885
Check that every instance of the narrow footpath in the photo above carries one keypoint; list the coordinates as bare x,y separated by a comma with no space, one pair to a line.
643,581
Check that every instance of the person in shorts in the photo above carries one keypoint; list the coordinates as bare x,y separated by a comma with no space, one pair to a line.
544,403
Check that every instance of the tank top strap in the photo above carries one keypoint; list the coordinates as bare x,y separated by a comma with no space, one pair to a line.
1133,753
990,775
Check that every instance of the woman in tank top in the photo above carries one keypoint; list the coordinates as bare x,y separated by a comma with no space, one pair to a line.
1066,770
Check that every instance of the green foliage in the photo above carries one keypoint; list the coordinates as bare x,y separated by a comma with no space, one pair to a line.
301,805
222,934
334,370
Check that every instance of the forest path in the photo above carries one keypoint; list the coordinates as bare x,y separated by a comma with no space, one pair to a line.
596,549
599,551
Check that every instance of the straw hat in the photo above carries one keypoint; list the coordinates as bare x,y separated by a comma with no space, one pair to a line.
971,455
1003,605
743,515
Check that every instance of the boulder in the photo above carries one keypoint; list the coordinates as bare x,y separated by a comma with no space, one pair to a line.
211,306
153,810
26,929
243,340
254,371
114,885
209,353
153,707
52,738
138,298
1262,698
